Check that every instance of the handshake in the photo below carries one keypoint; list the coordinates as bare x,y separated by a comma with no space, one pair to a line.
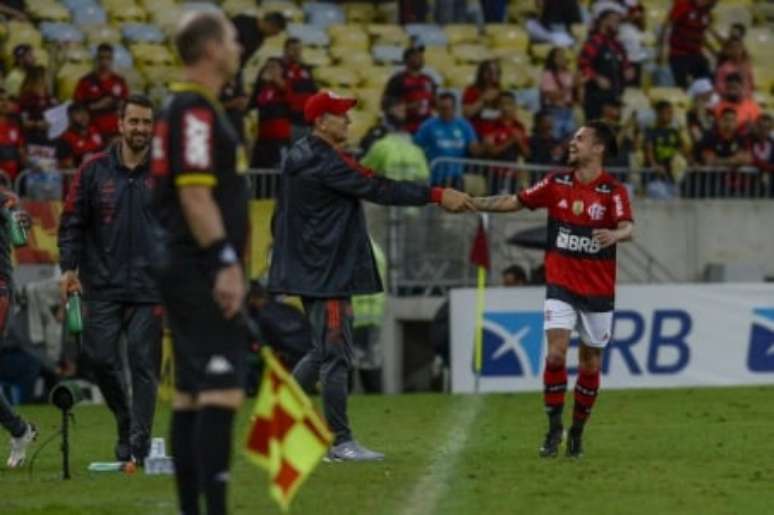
454,201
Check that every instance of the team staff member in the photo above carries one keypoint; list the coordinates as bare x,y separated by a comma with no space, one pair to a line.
322,251
104,238
588,213
22,432
201,204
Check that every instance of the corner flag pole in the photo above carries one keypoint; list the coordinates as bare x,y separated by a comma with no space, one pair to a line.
480,257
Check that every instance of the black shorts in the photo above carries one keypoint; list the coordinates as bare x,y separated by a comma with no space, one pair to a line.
210,352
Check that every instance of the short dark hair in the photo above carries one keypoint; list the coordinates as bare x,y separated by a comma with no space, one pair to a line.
508,94
408,52
104,47
662,104
291,41
516,271
734,77
448,95
605,136
727,110
195,32
75,107
277,19
136,100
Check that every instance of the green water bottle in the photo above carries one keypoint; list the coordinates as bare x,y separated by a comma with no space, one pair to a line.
17,229
74,317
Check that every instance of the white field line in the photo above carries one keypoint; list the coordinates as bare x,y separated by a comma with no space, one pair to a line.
435,480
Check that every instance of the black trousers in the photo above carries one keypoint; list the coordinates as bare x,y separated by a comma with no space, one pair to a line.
330,360
688,68
104,323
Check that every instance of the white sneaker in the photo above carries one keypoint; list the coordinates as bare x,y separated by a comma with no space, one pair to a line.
19,447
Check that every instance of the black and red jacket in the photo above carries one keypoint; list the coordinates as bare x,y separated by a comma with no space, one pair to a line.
300,86
104,230
91,88
273,111
73,146
321,243
417,90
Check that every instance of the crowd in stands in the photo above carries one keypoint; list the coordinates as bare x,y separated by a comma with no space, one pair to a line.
680,88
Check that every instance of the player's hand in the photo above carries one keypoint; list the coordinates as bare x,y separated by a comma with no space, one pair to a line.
229,291
69,283
605,237
454,201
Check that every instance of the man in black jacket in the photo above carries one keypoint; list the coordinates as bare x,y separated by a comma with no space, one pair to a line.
104,241
323,254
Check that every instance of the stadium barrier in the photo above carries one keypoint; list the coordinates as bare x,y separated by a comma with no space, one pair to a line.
663,336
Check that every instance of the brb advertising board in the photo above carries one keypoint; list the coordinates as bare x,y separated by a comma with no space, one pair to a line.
663,336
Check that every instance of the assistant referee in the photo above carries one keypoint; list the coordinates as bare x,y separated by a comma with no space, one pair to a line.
201,203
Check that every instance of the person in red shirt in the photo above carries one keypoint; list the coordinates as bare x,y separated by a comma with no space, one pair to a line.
683,40
34,100
414,87
270,98
102,91
480,100
747,110
507,140
79,141
300,85
588,214
13,153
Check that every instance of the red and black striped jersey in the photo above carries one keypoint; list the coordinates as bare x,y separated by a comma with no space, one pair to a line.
578,270
689,23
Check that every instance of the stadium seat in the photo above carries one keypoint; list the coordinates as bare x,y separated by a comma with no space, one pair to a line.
726,14
310,35
148,54
337,77
161,74
102,34
291,12
235,7
58,32
198,6
515,76
134,79
88,15
461,76
507,55
47,10
359,12
387,54
461,33
439,58
539,51
764,78
388,34
376,76
19,33
350,36
677,96
67,77
78,55
122,58
507,36
360,122
316,57
343,54
369,99
128,13
470,53
324,14
427,34
142,33
74,5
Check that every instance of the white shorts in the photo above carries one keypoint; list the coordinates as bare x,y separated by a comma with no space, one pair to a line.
595,329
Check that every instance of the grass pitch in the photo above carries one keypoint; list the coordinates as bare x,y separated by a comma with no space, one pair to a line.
690,451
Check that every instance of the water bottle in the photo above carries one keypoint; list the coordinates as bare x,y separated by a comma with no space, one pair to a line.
127,467
74,317
157,462
17,229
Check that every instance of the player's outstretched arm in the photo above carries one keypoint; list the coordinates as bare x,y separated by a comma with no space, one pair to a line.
453,201
497,203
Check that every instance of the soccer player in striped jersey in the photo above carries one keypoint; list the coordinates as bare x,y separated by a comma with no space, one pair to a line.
588,214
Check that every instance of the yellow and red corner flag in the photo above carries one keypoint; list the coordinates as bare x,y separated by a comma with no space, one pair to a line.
479,256
287,436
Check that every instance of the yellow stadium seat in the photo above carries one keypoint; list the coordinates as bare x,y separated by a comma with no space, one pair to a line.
291,12
508,56
316,56
677,96
167,18
724,15
470,53
337,77
22,32
514,76
388,34
146,54
461,33
360,12
764,78
77,54
376,76
579,31
134,79
272,47
369,99
235,7
351,58
47,10
128,13
67,78
439,57
350,36
97,34
539,51
461,76
360,122
161,74
507,36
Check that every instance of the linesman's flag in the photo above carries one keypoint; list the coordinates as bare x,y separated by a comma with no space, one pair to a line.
287,437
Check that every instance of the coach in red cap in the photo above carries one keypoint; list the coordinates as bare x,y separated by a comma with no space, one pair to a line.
323,254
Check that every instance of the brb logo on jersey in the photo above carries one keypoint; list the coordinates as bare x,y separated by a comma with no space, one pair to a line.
760,357
512,343
565,240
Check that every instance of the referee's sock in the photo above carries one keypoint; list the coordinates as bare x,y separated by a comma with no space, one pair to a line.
554,389
586,388
183,451
213,443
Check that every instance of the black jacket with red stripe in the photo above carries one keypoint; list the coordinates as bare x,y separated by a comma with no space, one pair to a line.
321,243
105,230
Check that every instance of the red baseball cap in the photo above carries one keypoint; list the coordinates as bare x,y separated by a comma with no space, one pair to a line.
326,102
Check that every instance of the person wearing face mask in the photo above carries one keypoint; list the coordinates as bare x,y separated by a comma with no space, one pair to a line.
104,239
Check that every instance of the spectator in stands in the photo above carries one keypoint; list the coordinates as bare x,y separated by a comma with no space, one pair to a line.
734,59
412,11
23,60
603,62
663,144
80,141
13,9
559,90
300,85
633,36
393,154
508,139
553,22
415,87
725,148
102,91
447,135
393,119
13,149
252,31
700,118
514,276
544,147
683,40
235,100
626,132
274,127
480,100
493,10
762,147
34,99
747,110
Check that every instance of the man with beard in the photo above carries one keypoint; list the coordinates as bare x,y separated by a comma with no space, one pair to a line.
104,238
588,213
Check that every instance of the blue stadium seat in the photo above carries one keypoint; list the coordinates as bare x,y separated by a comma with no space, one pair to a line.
142,33
199,6
60,32
387,54
122,58
75,5
324,15
308,34
89,15
428,34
